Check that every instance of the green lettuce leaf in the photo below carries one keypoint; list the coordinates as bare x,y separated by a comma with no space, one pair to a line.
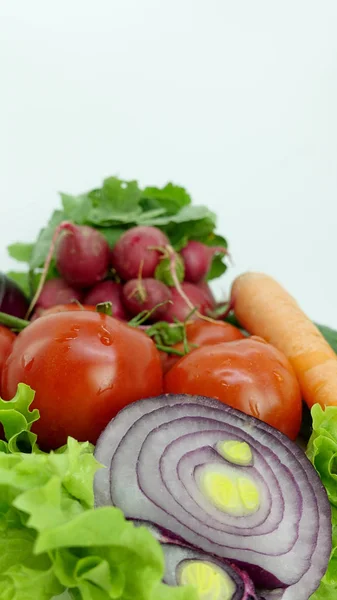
322,452
16,419
53,542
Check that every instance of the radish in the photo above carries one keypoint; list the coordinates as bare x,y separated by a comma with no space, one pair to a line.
180,309
138,252
108,291
146,294
57,291
82,255
204,286
198,259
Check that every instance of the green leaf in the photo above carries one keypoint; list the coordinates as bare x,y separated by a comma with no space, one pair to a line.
17,419
23,583
218,267
76,208
185,215
322,447
117,202
42,245
322,452
166,334
171,198
20,251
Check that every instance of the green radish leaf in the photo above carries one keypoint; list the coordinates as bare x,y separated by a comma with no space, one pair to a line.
44,239
117,202
218,267
21,251
76,208
166,334
171,198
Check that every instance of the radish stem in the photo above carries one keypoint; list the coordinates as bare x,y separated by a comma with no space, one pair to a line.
61,227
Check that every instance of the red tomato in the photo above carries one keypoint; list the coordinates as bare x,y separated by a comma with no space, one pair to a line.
43,312
202,333
84,367
7,338
249,375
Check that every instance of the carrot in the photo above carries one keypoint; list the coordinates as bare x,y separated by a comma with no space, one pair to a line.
265,309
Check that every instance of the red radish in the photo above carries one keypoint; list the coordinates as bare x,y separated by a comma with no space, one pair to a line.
134,252
180,309
57,291
198,259
44,312
145,294
82,255
108,291
203,285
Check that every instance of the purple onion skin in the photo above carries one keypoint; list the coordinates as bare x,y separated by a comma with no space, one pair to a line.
176,554
12,299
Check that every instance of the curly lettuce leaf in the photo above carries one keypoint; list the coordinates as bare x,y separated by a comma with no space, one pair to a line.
322,452
16,419
53,542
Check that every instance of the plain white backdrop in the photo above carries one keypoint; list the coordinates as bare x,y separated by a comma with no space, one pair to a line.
237,101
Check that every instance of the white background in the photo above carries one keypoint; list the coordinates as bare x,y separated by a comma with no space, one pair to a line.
237,101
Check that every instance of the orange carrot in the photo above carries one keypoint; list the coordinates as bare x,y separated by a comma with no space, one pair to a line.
265,309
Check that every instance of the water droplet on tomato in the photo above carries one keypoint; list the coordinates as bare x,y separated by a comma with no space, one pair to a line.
105,339
70,335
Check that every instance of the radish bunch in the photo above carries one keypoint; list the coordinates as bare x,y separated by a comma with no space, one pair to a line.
141,273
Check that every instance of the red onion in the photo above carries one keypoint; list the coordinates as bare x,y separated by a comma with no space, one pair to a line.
179,558
160,454
12,299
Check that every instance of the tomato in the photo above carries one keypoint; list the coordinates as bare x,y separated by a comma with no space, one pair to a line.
249,375
202,333
7,338
43,312
84,367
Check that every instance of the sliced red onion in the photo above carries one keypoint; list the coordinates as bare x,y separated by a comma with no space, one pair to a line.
182,565
162,452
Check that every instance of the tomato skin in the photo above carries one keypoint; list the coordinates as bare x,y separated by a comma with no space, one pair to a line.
84,367
249,375
202,333
7,338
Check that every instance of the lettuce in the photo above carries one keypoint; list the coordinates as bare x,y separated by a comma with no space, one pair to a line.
53,543
322,452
